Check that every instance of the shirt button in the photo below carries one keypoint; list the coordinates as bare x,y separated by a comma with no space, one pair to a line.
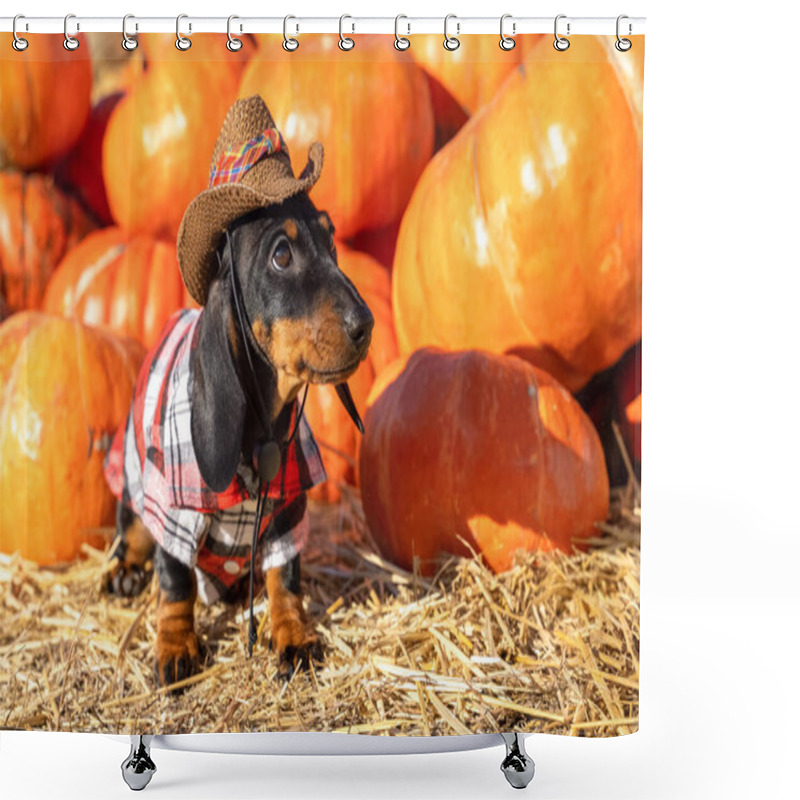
231,567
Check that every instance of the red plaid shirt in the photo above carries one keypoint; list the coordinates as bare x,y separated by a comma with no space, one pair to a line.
152,468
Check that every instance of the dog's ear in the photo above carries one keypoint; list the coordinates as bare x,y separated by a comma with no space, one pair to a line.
326,221
217,399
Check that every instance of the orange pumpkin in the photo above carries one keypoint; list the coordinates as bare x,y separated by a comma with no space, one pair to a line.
130,285
157,148
38,224
372,112
330,422
64,389
524,232
45,96
474,72
483,447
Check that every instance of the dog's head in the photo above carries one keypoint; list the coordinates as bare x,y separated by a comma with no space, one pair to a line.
305,315
307,324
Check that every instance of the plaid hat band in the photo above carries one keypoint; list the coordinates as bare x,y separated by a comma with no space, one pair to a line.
234,163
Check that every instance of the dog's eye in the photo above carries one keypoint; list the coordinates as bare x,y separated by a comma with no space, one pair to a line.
282,256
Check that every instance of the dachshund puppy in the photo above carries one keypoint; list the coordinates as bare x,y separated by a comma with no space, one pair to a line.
207,403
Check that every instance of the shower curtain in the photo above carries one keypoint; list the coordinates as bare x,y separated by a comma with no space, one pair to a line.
469,563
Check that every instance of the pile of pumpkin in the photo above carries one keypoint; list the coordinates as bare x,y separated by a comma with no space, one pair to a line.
488,208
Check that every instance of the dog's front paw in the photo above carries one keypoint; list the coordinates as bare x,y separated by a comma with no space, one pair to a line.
127,580
177,656
295,646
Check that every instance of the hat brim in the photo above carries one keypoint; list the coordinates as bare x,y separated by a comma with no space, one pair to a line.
216,209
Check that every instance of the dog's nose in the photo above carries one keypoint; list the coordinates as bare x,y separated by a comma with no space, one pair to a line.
358,323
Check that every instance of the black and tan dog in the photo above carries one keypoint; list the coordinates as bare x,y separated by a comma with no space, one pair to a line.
305,323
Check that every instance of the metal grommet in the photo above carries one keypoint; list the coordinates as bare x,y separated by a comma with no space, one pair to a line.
345,42
233,44
451,42
70,42
129,43
506,42
400,42
19,44
623,45
182,42
561,44
289,44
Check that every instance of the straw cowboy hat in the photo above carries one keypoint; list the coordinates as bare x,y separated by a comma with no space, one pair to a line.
250,169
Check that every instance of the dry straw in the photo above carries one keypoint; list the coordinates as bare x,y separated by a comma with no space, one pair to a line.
550,646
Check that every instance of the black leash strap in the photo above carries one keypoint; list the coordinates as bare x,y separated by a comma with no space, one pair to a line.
252,634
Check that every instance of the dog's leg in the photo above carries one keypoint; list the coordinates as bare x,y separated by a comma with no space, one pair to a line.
134,554
292,639
177,648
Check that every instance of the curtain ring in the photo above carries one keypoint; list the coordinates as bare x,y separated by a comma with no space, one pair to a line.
70,42
450,42
345,42
289,44
182,42
233,44
561,44
506,42
19,44
129,43
623,45
400,42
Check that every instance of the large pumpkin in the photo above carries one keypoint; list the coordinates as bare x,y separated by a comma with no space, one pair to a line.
45,96
38,224
475,446
524,232
64,389
157,149
130,285
331,424
372,112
